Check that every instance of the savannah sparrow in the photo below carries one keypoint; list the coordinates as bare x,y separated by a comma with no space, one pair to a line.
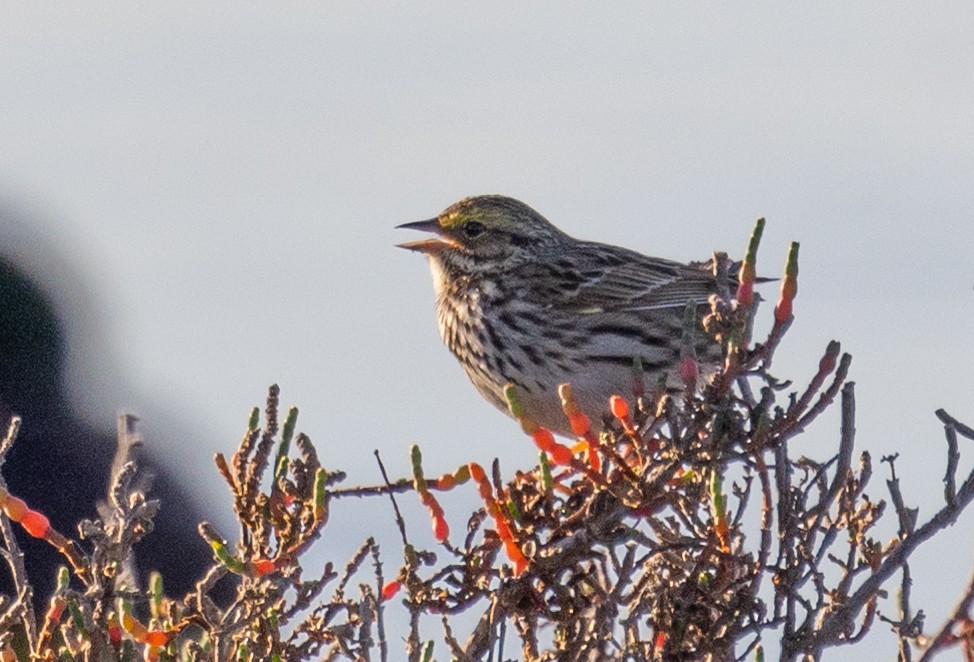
519,301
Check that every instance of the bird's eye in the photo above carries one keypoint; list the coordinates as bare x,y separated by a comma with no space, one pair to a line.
473,229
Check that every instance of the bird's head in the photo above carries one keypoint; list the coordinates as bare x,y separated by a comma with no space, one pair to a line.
486,232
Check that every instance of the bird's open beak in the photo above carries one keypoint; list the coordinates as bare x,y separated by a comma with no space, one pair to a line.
430,245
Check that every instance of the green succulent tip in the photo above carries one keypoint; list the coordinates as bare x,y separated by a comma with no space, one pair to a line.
513,403
791,266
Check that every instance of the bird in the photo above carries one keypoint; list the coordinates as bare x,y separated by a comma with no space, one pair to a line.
519,302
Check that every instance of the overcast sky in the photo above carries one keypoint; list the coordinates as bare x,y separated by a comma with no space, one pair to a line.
220,182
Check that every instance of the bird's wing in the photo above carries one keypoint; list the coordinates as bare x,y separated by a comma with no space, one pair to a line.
596,278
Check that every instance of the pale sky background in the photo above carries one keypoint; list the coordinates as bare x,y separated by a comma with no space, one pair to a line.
222,181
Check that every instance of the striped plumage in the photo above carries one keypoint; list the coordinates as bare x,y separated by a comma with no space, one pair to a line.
520,301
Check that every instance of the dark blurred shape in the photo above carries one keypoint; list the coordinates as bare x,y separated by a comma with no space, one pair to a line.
60,464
